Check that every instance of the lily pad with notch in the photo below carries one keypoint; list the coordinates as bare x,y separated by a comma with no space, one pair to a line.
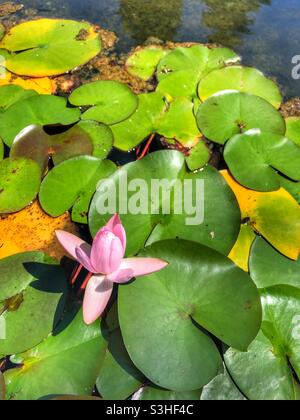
11,94
66,363
270,370
72,184
112,102
165,318
153,216
228,113
242,79
49,47
33,290
255,157
38,110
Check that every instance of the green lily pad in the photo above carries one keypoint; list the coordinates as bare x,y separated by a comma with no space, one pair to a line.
73,184
293,129
112,101
243,79
158,315
230,112
152,393
11,94
179,123
254,157
199,58
142,123
20,181
266,371
85,138
198,156
221,224
181,83
270,268
118,378
37,110
292,187
33,290
2,387
49,47
144,60
222,388
67,363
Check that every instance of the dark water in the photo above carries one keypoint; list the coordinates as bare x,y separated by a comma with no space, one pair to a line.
265,32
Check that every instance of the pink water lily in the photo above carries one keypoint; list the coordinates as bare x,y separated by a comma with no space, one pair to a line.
105,260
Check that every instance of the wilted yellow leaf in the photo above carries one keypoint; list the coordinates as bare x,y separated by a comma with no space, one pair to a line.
240,253
275,215
33,230
42,85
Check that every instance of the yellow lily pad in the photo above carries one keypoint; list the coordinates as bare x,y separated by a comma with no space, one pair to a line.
275,215
240,253
49,47
42,85
33,230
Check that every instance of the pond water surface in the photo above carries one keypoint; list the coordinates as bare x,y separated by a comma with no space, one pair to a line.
265,32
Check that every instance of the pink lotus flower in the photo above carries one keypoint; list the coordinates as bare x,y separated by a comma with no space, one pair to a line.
105,260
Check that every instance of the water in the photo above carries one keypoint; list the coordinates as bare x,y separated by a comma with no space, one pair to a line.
265,32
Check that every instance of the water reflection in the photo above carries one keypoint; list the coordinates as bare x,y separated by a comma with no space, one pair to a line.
230,19
151,18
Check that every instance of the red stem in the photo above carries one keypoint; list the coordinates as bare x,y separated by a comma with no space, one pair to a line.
76,273
147,147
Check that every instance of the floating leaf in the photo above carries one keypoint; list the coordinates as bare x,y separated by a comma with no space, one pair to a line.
67,363
37,110
292,187
199,58
181,83
222,388
33,230
158,315
11,94
293,129
2,387
270,268
198,156
32,288
266,371
49,47
118,378
152,393
42,85
20,181
230,112
179,123
243,79
254,156
152,220
113,101
275,215
144,60
142,123
85,138
73,184
240,253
